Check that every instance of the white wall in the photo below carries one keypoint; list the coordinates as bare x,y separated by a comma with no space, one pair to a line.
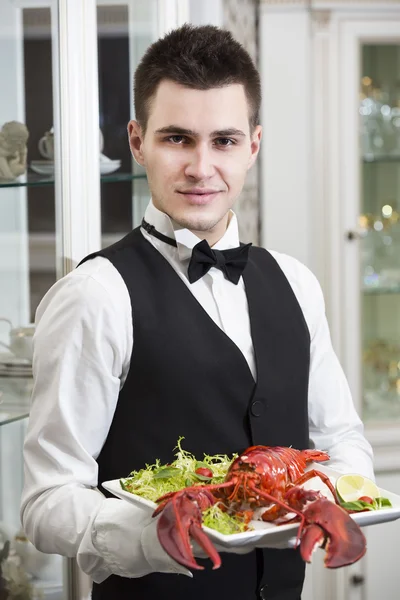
206,12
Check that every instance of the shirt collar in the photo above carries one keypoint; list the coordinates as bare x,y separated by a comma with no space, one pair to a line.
185,239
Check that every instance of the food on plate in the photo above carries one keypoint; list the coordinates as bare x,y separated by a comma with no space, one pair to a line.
156,480
205,472
357,493
352,486
366,499
216,517
268,478
264,483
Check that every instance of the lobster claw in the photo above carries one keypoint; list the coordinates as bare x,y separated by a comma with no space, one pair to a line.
331,527
181,520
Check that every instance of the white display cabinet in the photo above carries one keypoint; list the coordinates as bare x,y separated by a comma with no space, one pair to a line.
331,110
56,81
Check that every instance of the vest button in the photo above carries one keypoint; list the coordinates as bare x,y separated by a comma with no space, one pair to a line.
264,593
257,408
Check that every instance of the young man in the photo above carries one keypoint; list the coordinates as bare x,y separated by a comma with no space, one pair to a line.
158,336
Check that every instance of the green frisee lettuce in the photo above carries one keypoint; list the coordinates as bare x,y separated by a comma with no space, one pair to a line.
156,480
215,518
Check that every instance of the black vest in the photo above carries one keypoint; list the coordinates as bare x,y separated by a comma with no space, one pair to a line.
188,378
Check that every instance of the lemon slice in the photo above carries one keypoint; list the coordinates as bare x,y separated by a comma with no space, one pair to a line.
351,487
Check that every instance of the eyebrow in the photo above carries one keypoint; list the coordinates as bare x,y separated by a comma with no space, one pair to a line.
182,131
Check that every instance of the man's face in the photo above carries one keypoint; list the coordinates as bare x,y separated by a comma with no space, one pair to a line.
196,151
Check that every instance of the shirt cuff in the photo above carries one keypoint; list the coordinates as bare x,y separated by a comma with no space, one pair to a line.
155,554
111,544
122,540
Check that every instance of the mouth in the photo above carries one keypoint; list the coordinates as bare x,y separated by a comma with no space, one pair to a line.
200,197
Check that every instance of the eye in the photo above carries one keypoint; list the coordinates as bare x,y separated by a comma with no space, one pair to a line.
175,139
225,142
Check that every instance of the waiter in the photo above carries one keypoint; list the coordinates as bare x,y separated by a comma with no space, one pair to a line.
178,329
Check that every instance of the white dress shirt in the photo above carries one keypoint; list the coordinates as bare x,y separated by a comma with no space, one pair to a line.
82,349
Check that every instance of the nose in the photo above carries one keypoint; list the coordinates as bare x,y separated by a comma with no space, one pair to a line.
200,163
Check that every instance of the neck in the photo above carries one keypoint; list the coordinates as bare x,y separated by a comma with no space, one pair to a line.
212,238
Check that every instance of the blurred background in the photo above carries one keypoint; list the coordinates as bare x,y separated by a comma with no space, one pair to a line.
326,189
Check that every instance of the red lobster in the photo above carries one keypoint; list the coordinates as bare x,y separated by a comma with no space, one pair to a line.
267,477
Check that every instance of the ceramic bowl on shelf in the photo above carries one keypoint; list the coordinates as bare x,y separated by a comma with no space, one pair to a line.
20,340
108,165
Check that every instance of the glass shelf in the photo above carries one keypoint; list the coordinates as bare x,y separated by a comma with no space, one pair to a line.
34,180
10,417
378,291
115,177
15,395
380,244
385,158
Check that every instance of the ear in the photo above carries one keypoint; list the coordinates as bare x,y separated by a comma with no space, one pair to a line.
136,139
255,145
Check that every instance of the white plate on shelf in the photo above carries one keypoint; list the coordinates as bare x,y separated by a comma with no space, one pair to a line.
266,532
42,167
46,167
15,375
12,366
11,359
109,167
53,590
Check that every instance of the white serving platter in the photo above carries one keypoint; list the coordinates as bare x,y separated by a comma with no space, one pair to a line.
268,534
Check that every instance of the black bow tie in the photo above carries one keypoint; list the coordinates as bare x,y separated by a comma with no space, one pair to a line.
231,262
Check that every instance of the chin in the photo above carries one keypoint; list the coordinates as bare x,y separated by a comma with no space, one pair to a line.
197,224
198,219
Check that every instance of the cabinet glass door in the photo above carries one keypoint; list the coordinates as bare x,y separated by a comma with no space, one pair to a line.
27,266
380,230
125,30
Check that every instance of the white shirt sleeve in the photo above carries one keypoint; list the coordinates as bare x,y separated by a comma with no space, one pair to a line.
333,420
82,348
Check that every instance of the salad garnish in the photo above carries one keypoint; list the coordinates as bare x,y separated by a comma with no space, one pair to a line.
361,505
158,479
216,518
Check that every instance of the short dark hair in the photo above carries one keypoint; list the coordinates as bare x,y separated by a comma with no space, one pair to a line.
201,58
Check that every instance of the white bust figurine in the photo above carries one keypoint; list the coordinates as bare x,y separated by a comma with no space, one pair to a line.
13,150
